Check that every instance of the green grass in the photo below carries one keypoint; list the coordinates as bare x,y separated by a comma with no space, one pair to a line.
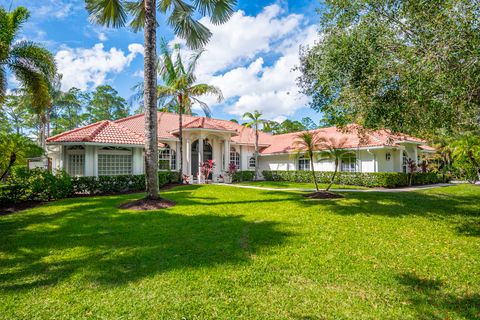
295,185
227,253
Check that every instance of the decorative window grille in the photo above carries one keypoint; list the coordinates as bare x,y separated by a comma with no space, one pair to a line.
114,164
76,164
404,162
251,162
303,164
167,158
349,163
235,157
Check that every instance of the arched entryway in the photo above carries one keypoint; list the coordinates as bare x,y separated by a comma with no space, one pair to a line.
207,155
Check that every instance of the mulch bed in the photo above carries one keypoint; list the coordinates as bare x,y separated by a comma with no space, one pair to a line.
147,204
19,206
323,195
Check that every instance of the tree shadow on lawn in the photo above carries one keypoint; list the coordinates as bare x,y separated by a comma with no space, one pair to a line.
460,210
430,301
91,240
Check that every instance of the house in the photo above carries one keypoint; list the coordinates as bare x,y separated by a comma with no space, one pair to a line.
116,148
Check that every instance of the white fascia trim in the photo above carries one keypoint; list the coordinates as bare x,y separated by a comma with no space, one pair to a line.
352,149
80,143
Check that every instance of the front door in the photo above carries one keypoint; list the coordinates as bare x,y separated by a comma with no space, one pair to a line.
207,155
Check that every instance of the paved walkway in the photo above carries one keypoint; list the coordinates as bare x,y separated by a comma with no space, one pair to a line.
406,189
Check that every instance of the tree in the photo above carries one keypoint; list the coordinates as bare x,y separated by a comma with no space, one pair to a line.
15,148
334,149
180,16
308,143
32,65
68,113
466,153
106,104
255,121
404,65
180,88
15,113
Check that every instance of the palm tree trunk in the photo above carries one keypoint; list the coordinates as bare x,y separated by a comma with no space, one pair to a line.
333,177
180,138
256,152
150,100
13,158
313,171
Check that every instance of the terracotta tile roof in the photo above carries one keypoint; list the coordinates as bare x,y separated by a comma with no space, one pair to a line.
356,137
100,132
130,130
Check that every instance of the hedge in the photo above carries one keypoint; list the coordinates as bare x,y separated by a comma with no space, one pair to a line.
43,185
240,176
365,179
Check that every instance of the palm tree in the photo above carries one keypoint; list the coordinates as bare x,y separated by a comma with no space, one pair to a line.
334,149
180,89
308,143
255,121
32,65
467,149
15,148
180,16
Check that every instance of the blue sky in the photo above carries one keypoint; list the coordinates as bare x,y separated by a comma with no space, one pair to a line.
250,58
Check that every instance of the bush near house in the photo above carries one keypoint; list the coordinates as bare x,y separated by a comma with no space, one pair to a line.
365,179
43,185
240,176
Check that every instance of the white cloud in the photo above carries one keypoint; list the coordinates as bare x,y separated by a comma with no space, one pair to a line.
251,59
102,37
87,67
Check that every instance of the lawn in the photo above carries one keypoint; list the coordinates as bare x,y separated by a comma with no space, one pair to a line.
295,185
246,254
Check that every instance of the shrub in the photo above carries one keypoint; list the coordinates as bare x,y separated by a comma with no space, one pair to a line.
240,176
39,184
366,179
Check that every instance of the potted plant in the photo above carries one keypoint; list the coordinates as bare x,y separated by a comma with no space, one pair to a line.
232,169
205,170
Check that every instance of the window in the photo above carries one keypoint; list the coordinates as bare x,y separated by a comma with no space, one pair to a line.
114,164
167,158
349,163
76,160
235,157
303,164
76,164
405,162
251,162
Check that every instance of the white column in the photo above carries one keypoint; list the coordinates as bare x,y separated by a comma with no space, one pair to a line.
226,150
90,160
200,153
137,161
187,163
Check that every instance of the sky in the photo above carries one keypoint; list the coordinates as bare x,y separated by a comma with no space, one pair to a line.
251,58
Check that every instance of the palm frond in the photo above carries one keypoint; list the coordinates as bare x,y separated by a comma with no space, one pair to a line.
10,24
36,86
219,11
137,10
35,58
206,89
164,91
166,67
205,108
186,27
110,13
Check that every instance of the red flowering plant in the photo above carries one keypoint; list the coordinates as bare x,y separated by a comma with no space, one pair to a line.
206,168
232,169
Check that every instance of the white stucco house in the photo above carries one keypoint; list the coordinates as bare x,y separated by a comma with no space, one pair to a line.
116,148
